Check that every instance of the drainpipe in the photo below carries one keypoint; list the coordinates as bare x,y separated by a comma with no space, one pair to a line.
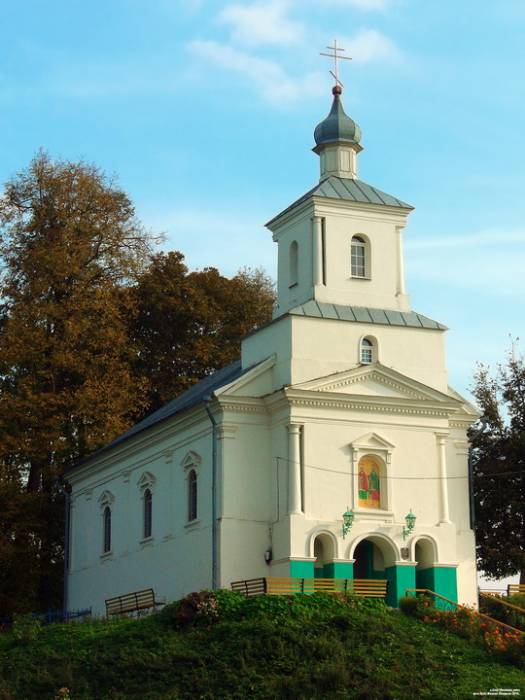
471,492
66,490
214,523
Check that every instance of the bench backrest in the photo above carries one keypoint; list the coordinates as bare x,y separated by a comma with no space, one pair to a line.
515,588
138,600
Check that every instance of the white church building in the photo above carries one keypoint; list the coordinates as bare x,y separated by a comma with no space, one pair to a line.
339,406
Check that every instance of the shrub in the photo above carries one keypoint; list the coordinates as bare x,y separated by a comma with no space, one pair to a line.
197,608
491,606
26,628
409,605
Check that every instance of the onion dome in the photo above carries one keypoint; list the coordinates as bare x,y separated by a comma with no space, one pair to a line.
337,126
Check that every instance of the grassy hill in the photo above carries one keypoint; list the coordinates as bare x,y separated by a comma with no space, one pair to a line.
225,646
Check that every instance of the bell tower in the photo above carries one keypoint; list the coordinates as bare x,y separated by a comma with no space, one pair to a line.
341,242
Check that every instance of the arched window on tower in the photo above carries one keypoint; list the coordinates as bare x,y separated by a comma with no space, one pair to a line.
106,547
366,351
359,262
192,495
294,263
148,513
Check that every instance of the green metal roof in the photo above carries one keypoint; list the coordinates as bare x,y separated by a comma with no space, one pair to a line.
363,314
334,187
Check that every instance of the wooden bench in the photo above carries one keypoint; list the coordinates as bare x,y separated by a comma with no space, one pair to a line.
132,602
275,585
513,588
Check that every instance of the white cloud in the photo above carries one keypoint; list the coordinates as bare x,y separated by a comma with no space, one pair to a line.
470,240
489,262
370,45
368,5
188,230
268,77
363,5
262,23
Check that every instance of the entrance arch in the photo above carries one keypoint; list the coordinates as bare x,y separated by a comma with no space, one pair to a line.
425,555
373,554
324,553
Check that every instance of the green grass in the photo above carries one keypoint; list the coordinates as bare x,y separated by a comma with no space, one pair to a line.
269,647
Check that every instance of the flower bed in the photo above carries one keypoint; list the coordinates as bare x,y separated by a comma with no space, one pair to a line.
467,623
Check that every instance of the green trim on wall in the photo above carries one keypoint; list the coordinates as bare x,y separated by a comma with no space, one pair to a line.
399,579
302,569
339,569
440,579
445,582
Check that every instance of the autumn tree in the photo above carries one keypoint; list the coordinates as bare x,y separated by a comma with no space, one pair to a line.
190,324
498,460
70,246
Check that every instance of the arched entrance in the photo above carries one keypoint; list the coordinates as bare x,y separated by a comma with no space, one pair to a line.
324,556
424,554
376,557
370,555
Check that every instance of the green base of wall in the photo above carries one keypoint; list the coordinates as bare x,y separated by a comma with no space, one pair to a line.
399,579
441,580
302,569
339,569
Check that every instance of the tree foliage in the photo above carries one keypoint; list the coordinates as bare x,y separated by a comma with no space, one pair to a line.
189,324
69,243
95,331
498,460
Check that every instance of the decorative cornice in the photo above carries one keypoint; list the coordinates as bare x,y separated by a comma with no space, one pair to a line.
242,404
226,431
367,404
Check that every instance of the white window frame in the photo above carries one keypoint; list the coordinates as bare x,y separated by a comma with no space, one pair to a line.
360,242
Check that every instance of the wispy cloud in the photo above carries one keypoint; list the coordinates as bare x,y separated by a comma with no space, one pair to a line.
371,45
492,263
267,76
262,23
472,240
188,229
368,5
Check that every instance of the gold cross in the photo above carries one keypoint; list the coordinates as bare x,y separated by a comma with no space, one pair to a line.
336,56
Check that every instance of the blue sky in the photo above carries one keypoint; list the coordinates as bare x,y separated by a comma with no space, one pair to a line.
205,112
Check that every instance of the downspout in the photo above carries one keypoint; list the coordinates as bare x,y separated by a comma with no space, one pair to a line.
66,490
214,523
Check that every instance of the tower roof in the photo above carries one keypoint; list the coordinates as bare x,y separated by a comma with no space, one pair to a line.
348,190
337,126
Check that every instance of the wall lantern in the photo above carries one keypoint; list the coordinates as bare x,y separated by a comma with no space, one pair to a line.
268,556
348,519
410,520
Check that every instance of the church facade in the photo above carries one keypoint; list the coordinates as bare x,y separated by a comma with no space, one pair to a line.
337,413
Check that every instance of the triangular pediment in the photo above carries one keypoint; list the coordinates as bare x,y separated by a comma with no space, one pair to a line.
372,441
375,381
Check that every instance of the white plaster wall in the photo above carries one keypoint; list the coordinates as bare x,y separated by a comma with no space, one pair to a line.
307,348
178,556
323,346
378,225
297,229
329,488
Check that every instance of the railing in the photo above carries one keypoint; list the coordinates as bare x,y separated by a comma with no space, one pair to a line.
498,599
458,606
274,585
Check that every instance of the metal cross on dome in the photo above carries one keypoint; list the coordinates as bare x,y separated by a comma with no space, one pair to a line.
336,56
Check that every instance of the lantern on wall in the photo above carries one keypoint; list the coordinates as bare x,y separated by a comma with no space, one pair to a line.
348,519
410,520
